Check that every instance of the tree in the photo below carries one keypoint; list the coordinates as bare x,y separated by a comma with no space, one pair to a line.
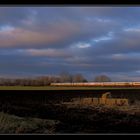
102,78
78,78
65,77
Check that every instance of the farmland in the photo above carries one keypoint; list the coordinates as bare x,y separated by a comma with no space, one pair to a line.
41,110
64,88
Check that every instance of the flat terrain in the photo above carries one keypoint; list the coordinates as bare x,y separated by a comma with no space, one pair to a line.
41,110
62,88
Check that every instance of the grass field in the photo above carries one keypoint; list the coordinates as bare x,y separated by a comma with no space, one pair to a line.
41,110
62,88
11,124
60,119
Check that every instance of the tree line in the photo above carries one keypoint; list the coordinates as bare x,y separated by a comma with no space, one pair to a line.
47,80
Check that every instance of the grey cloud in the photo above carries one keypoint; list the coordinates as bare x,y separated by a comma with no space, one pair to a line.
61,30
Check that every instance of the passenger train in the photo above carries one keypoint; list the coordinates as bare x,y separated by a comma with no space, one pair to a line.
100,84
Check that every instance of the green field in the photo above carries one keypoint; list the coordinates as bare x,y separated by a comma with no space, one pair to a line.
61,88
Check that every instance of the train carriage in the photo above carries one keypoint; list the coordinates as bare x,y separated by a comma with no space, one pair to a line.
100,84
136,84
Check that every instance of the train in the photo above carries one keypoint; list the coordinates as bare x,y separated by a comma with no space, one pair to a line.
100,84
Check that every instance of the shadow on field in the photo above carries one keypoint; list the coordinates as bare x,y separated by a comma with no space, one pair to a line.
72,120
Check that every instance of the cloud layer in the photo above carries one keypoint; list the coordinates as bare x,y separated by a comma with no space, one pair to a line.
88,40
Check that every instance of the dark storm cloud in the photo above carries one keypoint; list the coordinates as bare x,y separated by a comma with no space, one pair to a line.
90,40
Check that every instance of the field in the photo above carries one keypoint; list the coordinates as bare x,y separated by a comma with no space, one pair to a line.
62,88
25,110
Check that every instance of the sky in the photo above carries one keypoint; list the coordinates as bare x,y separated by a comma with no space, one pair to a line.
36,41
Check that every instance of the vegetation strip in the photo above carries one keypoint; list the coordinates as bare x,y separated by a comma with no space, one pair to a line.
63,88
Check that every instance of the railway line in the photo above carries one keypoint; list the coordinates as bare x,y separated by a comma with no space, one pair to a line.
100,84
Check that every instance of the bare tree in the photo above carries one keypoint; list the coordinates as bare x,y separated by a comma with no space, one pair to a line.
78,78
102,78
65,77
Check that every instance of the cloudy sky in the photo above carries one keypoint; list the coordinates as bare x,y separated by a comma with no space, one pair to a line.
88,40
